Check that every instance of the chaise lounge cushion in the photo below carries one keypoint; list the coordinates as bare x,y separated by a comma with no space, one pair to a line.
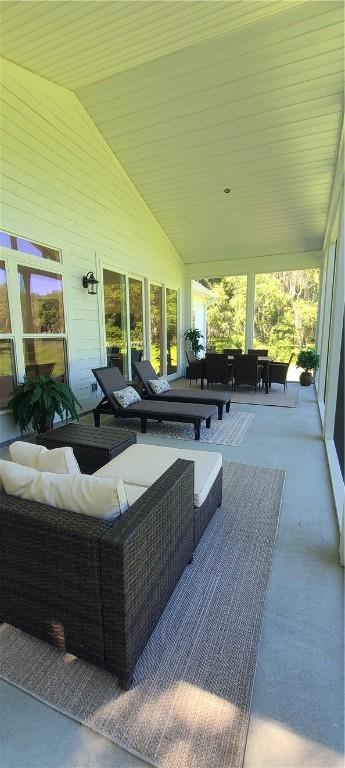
87,495
142,465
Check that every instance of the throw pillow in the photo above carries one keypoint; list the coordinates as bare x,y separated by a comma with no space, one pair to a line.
88,495
159,385
61,461
126,396
26,453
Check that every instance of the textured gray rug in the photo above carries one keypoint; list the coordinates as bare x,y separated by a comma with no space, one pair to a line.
276,396
190,704
230,431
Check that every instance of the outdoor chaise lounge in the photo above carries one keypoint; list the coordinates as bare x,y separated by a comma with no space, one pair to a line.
146,373
111,380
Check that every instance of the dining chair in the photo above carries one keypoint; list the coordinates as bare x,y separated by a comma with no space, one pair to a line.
247,371
217,370
278,372
195,367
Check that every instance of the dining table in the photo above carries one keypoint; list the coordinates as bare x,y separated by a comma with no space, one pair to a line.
265,362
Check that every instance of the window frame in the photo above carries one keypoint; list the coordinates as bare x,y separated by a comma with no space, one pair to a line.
106,265
12,260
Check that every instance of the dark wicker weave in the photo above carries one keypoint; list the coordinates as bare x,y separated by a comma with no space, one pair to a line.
92,447
93,588
220,399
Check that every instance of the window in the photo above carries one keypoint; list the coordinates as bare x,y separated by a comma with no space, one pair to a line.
44,357
171,314
156,314
7,372
114,287
7,367
136,319
41,301
28,246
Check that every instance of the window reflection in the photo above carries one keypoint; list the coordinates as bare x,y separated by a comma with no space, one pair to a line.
45,357
7,372
41,301
156,312
171,313
28,246
136,315
5,323
114,286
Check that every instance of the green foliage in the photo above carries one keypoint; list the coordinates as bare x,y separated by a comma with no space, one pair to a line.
308,359
37,400
226,316
194,335
285,312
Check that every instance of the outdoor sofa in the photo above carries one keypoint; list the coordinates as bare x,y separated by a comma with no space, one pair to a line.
146,373
96,588
111,379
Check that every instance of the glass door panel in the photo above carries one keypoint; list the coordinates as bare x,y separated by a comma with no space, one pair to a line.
171,313
136,320
156,314
114,287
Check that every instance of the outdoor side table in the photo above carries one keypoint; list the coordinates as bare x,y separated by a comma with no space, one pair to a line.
93,447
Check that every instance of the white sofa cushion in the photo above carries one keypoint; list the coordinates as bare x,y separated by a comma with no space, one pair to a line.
159,385
143,464
61,461
94,496
25,453
126,396
134,492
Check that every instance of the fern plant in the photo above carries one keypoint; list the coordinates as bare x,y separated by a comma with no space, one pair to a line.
37,400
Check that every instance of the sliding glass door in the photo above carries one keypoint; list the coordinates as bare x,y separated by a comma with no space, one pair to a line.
156,327
136,320
171,320
115,312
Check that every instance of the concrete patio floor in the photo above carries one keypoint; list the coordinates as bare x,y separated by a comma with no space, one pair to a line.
297,706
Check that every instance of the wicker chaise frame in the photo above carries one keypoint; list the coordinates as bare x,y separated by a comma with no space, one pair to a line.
93,588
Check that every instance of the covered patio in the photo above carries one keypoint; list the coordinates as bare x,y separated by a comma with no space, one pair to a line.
161,164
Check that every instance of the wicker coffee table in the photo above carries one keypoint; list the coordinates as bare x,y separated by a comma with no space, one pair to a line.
92,447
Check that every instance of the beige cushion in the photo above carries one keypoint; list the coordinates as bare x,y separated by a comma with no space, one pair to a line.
25,453
94,496
61,461
144,464
134,492
58,460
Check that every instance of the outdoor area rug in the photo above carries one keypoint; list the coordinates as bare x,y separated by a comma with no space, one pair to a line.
230,431
190,702
276,396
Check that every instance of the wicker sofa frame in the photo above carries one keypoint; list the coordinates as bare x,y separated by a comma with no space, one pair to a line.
92,588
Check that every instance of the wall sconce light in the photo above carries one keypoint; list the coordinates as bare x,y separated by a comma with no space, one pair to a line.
90,282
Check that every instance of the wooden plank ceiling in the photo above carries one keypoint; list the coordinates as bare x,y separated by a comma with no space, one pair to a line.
194,97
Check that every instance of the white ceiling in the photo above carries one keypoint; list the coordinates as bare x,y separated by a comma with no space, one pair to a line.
197,96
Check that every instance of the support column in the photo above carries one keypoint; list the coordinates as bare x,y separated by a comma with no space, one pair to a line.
249,339
187,319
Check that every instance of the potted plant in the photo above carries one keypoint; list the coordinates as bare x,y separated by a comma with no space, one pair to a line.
309,360
193,335
38,399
